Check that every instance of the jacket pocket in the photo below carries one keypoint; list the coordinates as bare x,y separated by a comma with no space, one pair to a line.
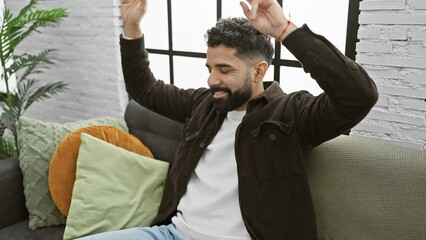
275,150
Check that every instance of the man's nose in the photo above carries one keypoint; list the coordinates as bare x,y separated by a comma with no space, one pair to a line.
214,80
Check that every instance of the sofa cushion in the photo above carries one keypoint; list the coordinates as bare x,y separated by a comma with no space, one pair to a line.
37,141
114,189
368,189
63,163
161,135
20,231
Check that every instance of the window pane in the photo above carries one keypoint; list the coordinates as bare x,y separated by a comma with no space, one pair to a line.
232,8
190,72
160,66
327,17
155,25
191,19
295,79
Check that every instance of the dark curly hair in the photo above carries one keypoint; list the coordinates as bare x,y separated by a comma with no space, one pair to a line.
238,33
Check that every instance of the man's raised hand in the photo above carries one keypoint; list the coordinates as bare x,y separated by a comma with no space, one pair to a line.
132,12
266,16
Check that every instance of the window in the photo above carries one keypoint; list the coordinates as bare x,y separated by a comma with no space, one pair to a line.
174,35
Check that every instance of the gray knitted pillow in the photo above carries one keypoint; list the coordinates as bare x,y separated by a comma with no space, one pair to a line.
37,141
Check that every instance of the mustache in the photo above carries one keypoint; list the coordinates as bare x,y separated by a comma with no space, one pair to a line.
220,89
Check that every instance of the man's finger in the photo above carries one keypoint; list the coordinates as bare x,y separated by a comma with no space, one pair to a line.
254,6
246,9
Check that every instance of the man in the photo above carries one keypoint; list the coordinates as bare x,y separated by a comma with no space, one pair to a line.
239,174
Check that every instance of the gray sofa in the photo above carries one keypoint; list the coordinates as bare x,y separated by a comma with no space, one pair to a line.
159,134
361,188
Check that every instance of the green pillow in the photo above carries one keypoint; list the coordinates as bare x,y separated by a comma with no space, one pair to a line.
114,189
37,142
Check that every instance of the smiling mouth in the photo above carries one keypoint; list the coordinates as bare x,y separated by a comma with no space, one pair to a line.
220,94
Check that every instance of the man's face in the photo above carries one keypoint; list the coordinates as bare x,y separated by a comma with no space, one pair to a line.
230,80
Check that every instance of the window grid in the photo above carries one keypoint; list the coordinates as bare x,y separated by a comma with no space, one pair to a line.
277,62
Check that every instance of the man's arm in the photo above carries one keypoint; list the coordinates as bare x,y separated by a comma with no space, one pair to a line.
349,93
141,84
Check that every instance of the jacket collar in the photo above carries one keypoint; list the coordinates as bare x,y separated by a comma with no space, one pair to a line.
272,91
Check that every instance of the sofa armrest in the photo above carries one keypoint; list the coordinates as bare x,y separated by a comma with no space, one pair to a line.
12,199
364,188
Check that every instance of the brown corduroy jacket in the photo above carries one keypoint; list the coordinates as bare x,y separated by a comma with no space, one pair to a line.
271,142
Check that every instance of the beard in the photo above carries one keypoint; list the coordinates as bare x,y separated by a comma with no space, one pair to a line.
235,99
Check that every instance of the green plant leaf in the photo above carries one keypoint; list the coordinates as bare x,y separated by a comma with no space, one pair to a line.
40,18
13,31
12,112
45,92
27,8
33,66
25,60
6,48
25,88
13,106
7,147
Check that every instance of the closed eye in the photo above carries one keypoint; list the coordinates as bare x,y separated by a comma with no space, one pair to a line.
224,70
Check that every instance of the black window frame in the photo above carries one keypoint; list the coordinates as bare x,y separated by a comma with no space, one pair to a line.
277,62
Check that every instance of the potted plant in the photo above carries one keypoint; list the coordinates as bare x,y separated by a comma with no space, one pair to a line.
21,68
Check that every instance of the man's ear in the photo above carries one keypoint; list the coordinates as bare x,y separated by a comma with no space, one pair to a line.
260,71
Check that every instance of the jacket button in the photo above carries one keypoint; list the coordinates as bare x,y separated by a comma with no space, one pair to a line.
272,136
201,145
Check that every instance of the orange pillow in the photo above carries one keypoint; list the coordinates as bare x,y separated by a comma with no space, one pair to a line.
62,167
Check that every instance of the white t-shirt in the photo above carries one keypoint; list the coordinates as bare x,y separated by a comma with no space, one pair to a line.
210,207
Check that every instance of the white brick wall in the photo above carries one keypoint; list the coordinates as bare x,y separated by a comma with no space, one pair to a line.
392,48
87,58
